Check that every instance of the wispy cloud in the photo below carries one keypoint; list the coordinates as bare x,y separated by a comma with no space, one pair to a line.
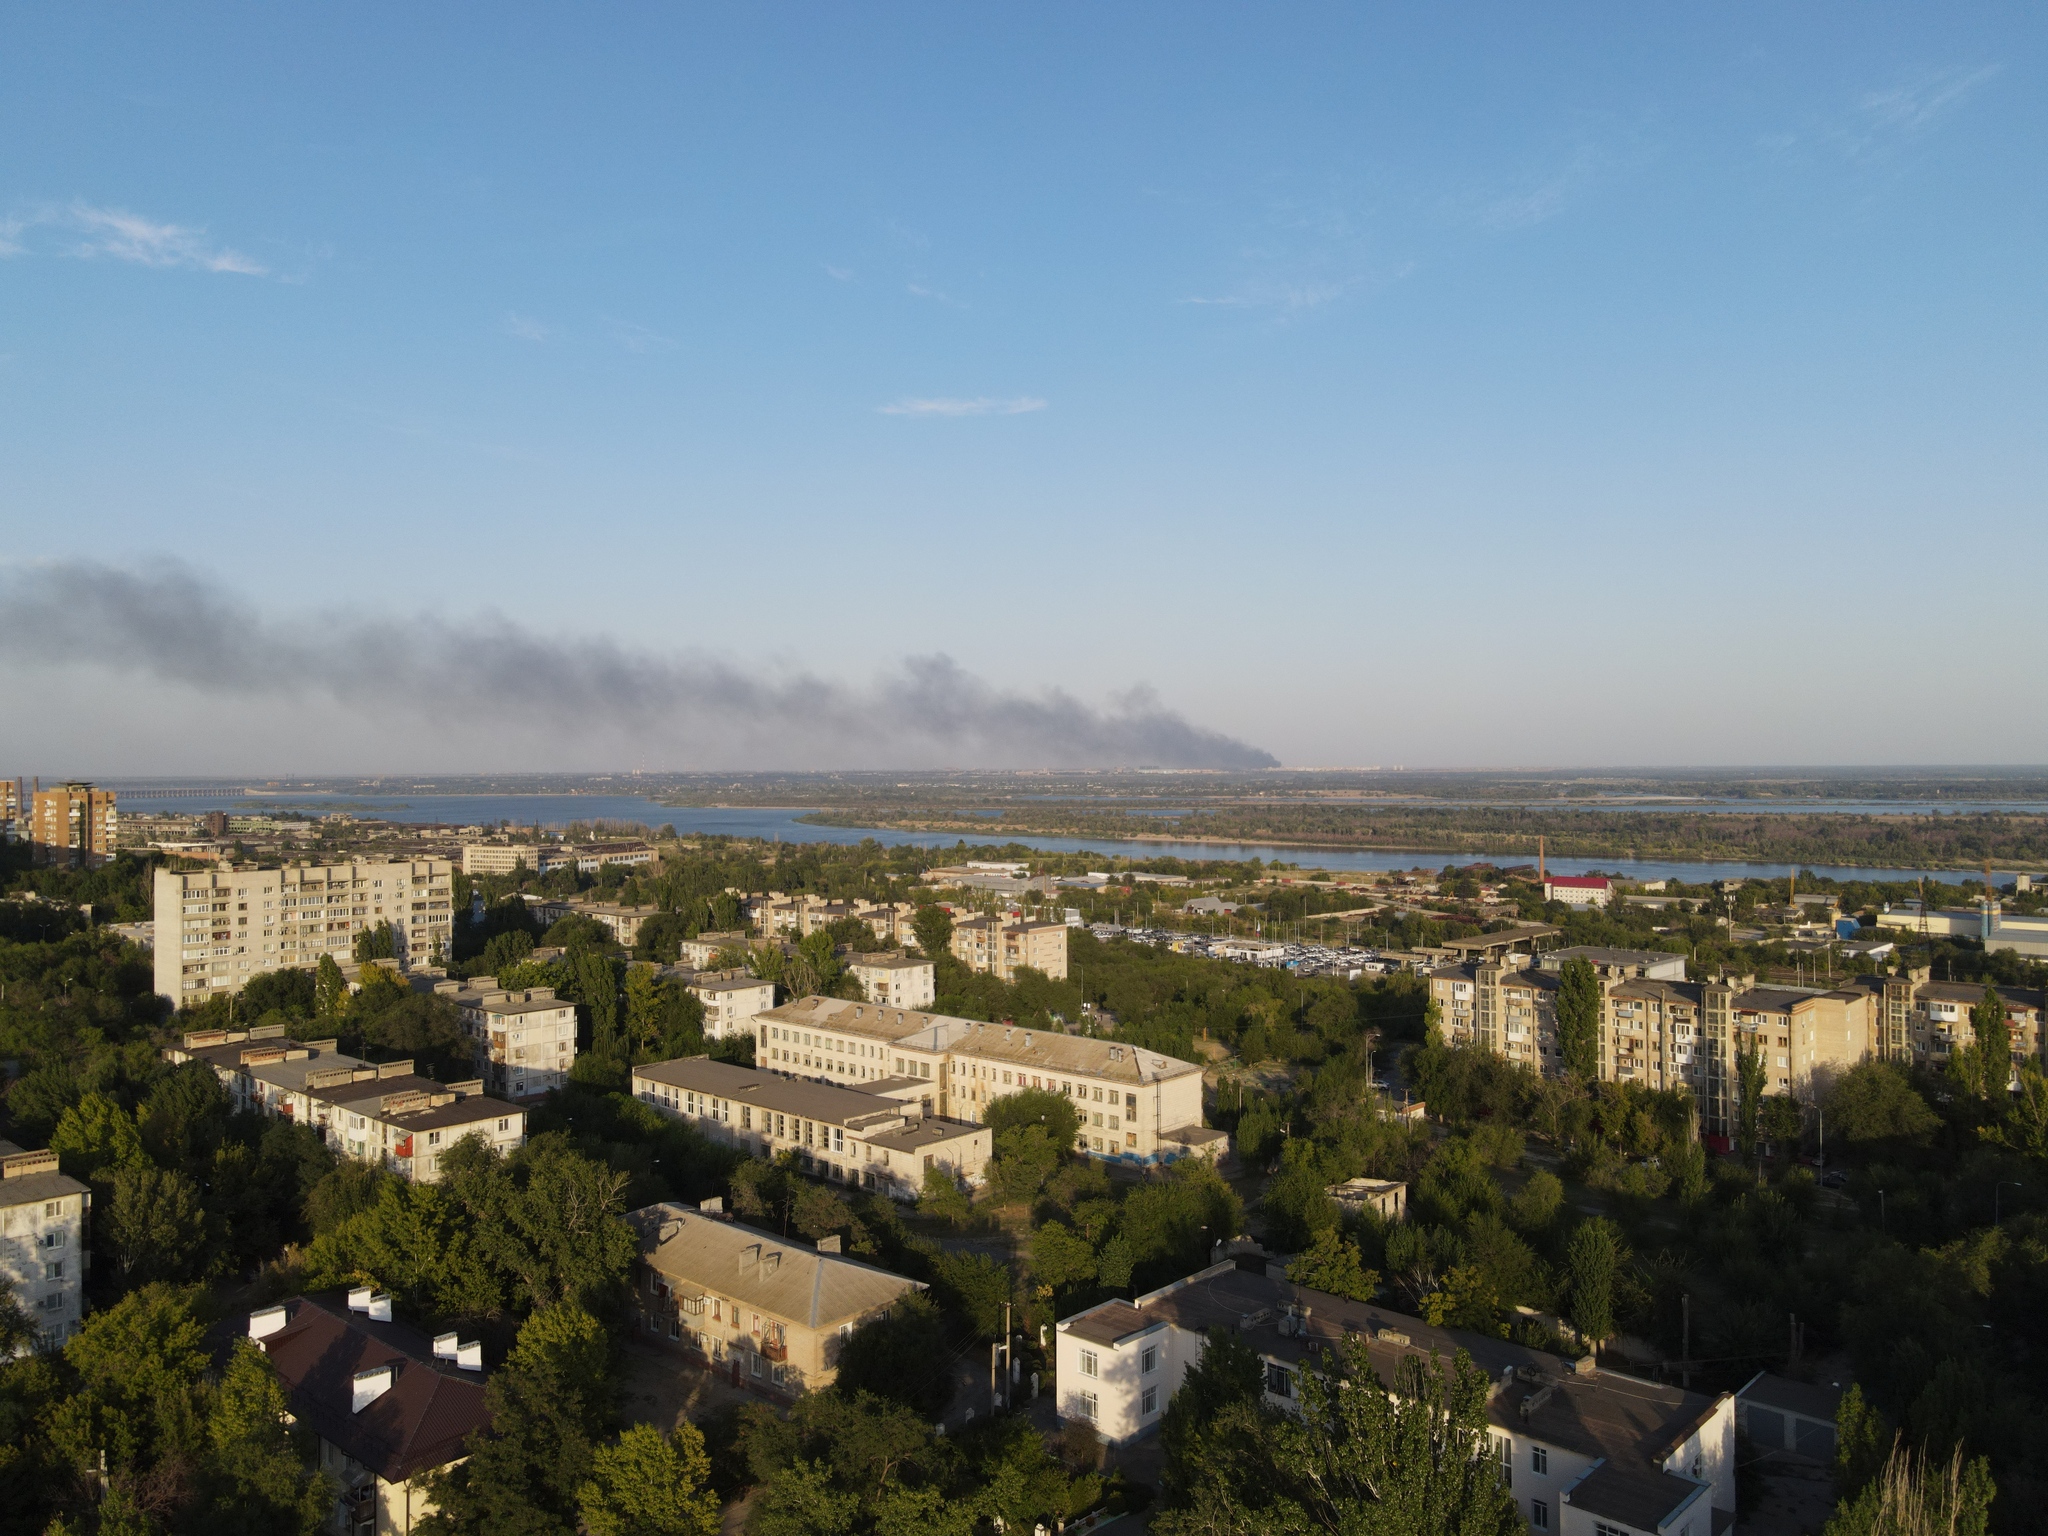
902,234
1882,129
1545,194
525,329
839,274
1915,107
936,295
1279,294
980,406
635,337
89,232
1302,249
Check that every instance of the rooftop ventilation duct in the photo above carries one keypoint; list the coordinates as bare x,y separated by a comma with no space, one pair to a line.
367,1386
263,1324
380,1307
444,1346
470,1356
359,1298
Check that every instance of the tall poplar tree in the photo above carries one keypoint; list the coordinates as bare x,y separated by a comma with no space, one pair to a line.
1994,1041
1578,1019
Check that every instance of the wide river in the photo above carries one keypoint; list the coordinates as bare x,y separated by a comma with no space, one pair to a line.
781,823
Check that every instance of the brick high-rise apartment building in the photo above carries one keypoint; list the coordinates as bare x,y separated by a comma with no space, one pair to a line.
215,928
74,824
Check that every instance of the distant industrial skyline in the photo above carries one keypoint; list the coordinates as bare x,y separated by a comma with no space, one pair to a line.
921,386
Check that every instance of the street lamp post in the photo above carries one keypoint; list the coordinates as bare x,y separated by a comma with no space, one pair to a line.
1998,1189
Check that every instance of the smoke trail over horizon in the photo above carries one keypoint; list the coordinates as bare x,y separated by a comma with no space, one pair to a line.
503,687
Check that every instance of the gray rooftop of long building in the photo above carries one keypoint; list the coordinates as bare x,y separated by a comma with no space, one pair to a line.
923,1135
28,1188
1789,1396
367,1096
825,1102
291,1075
1600,954
1640,1499
910,1028
1043,1050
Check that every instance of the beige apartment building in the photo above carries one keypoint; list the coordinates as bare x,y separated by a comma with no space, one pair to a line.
372,1112
895,981
624,922
1500,1005
217,928
74,824
891,922
542,858
43,1229
1663,1034
877,1140
999,947
505,858
1137,1106
700,952
763,1311
524,1039
1938,1022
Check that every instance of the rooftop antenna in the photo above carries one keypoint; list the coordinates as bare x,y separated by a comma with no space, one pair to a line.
1539,861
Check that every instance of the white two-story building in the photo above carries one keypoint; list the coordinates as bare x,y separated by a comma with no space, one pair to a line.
876,1139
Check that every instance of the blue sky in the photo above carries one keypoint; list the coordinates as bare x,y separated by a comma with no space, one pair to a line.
1476,385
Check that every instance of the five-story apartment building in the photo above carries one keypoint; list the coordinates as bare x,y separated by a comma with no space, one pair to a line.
43,1231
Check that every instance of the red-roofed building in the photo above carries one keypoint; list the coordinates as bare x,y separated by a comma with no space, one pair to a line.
1578,890
388,1404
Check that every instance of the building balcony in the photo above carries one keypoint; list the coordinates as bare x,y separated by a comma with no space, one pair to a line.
775,1350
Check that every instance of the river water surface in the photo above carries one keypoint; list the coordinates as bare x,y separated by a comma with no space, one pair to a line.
774,822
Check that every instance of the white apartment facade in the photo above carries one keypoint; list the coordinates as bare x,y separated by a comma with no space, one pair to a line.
43,1255
1584,1451
731,1003
524,1039
1578,890
895,981
1136,1106
217,928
